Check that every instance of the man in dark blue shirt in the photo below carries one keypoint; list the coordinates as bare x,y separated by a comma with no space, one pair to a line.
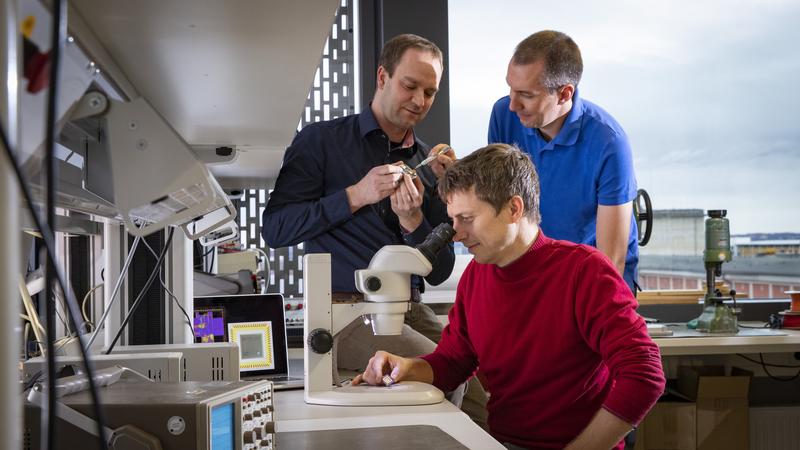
340,191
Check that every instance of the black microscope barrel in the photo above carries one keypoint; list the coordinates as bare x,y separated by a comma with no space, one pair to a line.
439,237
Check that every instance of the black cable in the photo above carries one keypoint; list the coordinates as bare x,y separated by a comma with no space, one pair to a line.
185,314
764,366
58,37
213,259
142,293
72,302
774,377
783,366
203,259
169,292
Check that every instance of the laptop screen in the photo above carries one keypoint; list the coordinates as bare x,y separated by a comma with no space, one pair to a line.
255,322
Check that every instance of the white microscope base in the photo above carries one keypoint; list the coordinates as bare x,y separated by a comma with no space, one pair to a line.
403,393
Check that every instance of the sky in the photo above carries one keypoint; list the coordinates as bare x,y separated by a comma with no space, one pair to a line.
706,92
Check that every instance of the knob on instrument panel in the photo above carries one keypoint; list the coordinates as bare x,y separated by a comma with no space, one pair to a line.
320,341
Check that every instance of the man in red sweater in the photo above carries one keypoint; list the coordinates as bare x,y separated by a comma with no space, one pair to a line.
551,324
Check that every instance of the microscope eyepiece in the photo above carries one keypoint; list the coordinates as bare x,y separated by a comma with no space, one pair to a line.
439,237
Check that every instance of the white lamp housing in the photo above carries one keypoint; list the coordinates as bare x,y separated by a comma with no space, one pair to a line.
158,181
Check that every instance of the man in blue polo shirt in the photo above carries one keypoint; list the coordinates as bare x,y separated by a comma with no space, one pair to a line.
581,153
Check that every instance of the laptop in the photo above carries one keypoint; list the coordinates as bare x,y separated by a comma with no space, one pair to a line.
256,322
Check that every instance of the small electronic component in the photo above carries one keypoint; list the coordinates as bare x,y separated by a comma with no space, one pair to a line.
408,170
387,380
434,153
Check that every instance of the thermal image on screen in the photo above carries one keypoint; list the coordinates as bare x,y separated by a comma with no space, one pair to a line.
209,325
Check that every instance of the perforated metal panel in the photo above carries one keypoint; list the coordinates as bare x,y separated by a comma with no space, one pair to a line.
333,90
331,96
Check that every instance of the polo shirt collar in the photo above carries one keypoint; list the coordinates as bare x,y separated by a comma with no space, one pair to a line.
570,130
572,126
367,123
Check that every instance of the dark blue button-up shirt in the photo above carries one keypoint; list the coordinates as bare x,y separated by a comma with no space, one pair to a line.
309,202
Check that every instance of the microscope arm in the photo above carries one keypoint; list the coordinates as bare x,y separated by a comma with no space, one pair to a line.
344,313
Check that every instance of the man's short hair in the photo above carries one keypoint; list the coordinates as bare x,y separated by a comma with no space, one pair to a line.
497,172
395,47
561,56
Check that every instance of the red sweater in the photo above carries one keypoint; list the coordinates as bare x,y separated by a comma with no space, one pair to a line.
557,336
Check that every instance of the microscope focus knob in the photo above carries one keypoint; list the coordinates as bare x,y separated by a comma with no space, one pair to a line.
320,340
373,284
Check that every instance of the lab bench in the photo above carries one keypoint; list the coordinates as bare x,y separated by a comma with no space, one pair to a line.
441,426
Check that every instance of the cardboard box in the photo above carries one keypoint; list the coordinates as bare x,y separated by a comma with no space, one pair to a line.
708,412
722,417
670,425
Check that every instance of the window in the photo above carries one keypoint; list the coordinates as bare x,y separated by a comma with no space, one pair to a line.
704,91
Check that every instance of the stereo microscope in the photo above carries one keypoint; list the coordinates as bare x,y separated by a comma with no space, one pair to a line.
386,285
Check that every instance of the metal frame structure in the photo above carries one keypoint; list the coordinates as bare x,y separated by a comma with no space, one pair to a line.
10,417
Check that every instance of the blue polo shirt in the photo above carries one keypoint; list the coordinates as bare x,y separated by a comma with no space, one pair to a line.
309,203
588,163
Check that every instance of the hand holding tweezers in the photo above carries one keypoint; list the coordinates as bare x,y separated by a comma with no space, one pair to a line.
435,152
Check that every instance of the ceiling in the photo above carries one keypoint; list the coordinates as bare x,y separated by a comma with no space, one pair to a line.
233,72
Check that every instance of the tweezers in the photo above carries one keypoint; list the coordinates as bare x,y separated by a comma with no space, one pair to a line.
433,155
